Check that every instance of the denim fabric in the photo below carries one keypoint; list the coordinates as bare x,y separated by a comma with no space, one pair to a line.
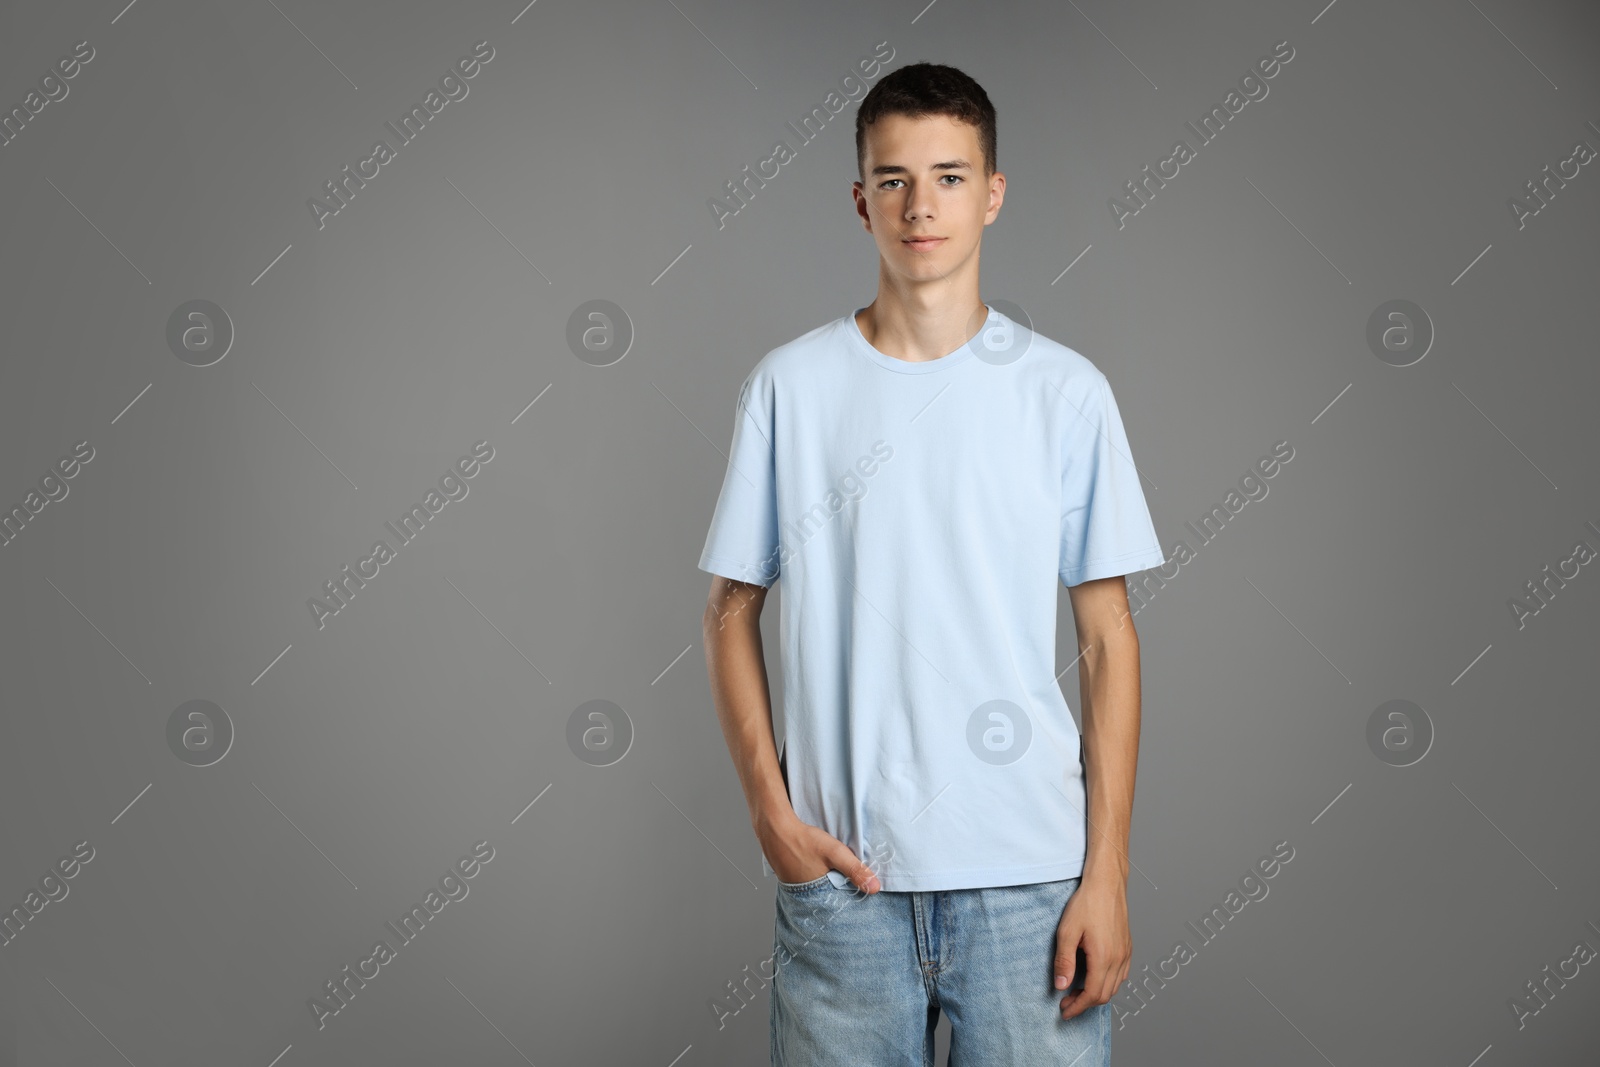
860,980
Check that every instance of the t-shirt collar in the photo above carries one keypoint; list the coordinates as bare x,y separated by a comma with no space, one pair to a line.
858,341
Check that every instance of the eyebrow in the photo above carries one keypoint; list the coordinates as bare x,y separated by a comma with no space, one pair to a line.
895,168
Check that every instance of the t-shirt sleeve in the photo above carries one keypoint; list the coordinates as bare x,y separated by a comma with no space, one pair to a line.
1105,523
743,540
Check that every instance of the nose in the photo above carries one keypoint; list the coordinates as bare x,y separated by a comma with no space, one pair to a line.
920,203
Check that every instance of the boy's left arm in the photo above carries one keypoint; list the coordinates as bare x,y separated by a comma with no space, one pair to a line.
1096,916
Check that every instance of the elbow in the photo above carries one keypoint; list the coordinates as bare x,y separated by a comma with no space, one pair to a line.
711,622
1104,644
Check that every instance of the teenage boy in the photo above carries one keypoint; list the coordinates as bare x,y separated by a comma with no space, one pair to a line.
920,474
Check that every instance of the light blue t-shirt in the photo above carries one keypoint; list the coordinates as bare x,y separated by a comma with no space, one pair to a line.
920,515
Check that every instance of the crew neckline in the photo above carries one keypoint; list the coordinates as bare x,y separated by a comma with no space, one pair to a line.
859,342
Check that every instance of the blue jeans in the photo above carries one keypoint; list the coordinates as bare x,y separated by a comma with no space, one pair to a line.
861,980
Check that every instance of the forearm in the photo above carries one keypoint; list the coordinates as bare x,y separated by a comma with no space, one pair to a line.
1108,687
738,673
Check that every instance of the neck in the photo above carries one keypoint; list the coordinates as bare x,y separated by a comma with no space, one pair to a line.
926,324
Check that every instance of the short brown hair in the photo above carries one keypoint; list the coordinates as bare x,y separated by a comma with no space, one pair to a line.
921,89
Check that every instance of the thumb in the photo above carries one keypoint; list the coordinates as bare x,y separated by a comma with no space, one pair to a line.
858,872
1066,962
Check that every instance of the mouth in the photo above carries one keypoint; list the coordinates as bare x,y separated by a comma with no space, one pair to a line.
922,244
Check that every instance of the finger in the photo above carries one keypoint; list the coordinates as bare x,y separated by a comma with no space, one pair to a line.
1120,979
1066,964
1115,976
1097,980
858,873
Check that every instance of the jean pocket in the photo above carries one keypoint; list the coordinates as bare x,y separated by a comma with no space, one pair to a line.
806,887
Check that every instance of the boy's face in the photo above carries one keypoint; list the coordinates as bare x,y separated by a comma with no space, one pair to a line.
924,178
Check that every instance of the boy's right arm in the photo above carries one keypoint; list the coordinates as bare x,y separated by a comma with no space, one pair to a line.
797,851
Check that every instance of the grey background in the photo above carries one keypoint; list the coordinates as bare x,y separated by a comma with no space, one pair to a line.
371,754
